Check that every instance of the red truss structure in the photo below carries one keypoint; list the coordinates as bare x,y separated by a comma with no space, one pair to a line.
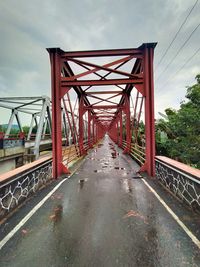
104,91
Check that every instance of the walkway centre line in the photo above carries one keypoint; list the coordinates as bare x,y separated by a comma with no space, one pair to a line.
176,218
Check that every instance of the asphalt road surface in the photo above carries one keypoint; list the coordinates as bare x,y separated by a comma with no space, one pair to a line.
104,215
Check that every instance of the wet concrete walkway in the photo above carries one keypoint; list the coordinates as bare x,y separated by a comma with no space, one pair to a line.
101,216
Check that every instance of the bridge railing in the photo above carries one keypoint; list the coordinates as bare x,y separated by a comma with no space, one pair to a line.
70,153
136,151
182,180
87,144
17,185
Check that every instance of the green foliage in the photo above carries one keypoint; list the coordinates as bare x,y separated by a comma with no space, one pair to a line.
26,129
182,129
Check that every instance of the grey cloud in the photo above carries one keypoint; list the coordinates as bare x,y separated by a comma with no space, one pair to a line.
27,28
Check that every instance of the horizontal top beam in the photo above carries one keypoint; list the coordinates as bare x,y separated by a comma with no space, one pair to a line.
103,92
65,82
137,52
23,98
103,107
103,53
105,116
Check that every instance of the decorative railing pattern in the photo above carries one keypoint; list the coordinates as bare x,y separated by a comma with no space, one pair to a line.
182,181
16,189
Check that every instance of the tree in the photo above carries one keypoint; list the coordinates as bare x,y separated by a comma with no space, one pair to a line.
26,129
183,129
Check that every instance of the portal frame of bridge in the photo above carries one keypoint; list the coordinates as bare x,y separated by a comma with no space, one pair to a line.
140,77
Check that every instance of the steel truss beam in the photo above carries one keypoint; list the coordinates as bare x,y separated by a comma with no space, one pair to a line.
95,124
26,105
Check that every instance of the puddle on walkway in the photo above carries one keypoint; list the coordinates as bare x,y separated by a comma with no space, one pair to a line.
137,177
114,153
82,182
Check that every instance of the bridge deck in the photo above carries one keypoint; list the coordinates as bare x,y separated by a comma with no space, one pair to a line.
102,216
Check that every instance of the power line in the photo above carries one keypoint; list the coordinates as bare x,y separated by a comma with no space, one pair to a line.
197,51
184,64
175,36
178,52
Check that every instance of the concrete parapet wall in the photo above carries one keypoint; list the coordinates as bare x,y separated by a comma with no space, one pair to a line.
6,152
182,180
18,184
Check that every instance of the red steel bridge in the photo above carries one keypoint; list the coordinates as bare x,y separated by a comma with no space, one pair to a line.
103,198
110,96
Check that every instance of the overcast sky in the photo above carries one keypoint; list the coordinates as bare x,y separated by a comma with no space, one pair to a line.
28,27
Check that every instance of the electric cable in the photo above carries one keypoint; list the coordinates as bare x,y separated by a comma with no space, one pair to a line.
175,36
179,50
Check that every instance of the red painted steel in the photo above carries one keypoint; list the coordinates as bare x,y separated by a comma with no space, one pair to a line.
65,82
149,111
81,125
95,118
103,53
58,167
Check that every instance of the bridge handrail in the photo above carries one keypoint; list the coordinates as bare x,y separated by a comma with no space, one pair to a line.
136,151
181,166
182,180
18,184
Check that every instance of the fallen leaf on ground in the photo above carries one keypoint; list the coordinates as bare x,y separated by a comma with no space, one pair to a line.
24,231
133,213
57,209
52,217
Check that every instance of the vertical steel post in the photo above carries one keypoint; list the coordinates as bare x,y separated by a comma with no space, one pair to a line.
81,125
96,132
117,124
36,149
93,129
49,119
12,116
44,128
120,129
149,110
55,59
31,128
89,129
18,121
116,131
128,124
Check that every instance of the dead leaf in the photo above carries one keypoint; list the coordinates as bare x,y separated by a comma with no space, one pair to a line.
52,217
130,214
24,231
133,213
57,209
